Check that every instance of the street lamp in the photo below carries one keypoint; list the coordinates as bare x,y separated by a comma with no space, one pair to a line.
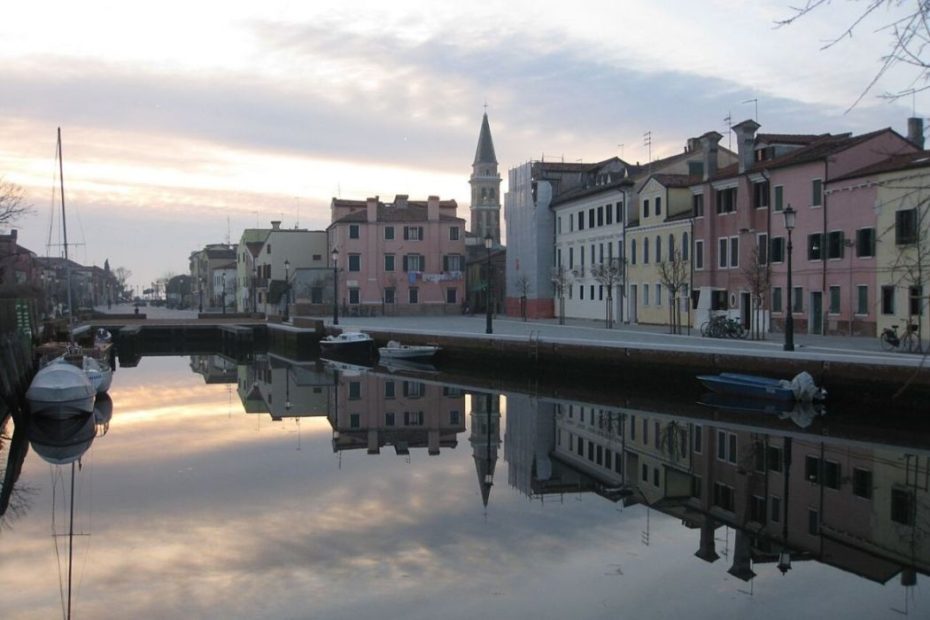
335,255
488,242
790,221
287,288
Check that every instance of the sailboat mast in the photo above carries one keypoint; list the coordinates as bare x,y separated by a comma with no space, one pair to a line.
70,542
64,222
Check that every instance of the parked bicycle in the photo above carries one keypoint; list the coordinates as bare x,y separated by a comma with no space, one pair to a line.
909,341
723,327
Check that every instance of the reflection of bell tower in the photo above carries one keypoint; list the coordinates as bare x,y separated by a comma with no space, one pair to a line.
485,188
485,438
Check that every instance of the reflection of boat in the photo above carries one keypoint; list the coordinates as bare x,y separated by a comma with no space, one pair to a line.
801,413
396,350
358,345
801,388
100,374
393,365
60,390
60,441
347,369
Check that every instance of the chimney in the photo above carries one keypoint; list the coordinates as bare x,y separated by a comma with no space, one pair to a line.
275,224
432,208
371,205
13,236
400,201
915,132
745,141
709,144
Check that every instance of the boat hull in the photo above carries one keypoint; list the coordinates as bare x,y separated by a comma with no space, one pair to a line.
748,386
61,390
421,353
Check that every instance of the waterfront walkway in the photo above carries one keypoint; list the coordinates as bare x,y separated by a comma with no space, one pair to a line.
807,347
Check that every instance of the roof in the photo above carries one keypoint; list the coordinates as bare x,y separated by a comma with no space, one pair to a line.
787,138
415,211
484,154
895,163
675,180
582,191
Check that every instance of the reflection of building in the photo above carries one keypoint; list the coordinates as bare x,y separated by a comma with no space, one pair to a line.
214,368
284,389
370,410
858,506
485,438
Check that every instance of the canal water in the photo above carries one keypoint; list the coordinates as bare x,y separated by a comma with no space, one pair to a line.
210,488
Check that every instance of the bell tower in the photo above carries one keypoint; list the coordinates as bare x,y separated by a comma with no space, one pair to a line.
485,184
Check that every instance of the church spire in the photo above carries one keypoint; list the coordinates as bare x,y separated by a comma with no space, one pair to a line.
485,188
484,154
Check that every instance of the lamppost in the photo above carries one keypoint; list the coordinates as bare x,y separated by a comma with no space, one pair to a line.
201,293
488,242
287,288
790,220
335,255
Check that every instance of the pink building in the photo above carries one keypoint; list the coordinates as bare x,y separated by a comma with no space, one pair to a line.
405,257
739,224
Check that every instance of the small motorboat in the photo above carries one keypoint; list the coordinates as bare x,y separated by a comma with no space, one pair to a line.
799,389
398,351
61,390
357,345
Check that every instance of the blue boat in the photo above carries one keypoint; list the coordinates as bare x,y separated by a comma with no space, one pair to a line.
801,388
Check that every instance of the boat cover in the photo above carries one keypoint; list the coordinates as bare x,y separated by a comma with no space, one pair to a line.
60,383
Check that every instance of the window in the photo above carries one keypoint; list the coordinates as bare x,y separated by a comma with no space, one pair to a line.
645,294
658,294
389,390
581,291
757,509
816,193
389,233
902,506
658,249
760,194
724,496
355,390
812,469
413,295
454,232
452,295
353,231
633,252
905,227
815,246
632,428
571,258
734,252
413,389
355,262
862,483
779,197
414,262
726,200
413,418
831,474
834,300
722,245
646,208
773,458
645,471
775,515
685,250
726,447
413,233
862,299
655,476
835,244
656,438
865,242
646,251
813,522
699,254
888,299
698,438
914,297
697,205
776,299
797,300
658,206
762,243
581,220
697,484
591,218
389,419
353,295
453,262
600,216
390,295
354,420
389,262
777,248
609,212
671,247
619,212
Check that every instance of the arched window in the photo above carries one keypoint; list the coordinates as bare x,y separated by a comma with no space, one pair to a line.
685,249
658,249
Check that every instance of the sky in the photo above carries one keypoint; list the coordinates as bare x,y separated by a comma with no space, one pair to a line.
185,123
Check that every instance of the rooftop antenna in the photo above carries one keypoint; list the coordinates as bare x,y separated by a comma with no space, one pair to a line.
227,230
728,119
647,142
756,114
620,146
297,200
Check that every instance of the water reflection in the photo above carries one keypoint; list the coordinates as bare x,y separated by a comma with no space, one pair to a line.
379,515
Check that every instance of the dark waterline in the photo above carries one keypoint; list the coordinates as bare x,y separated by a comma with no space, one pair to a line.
280,490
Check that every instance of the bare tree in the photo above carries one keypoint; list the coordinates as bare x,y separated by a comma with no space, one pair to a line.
561,280
905,22
609,275
11,202
524,285
675,274
122,276
758,277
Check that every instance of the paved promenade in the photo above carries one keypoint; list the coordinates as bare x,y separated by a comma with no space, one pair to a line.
811,347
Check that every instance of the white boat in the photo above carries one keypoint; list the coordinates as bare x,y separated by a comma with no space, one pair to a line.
347,344
61,390
100,375
396,350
